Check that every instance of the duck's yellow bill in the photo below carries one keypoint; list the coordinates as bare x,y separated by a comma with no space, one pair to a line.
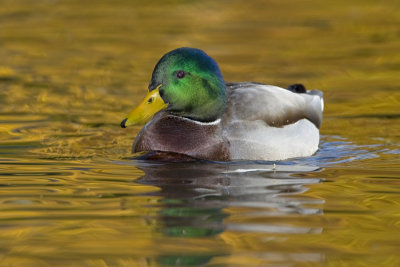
151,104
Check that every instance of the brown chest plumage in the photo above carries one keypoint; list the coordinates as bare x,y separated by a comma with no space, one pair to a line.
179,135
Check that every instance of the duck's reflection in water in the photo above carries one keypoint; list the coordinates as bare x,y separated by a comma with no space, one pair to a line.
198,198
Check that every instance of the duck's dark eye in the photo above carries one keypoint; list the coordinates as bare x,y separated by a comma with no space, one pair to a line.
180,74
150,100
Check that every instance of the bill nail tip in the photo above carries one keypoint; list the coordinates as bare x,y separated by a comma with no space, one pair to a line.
123,123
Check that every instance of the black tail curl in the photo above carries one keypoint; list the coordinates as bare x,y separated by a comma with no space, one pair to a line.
297,88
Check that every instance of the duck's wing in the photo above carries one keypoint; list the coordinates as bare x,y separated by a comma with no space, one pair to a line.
276,106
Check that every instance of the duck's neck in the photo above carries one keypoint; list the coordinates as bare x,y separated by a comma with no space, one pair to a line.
207,105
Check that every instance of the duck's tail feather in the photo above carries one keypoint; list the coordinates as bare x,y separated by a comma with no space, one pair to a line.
314,104
315,107
297,88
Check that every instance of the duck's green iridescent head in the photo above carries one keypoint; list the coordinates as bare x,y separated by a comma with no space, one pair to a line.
186,82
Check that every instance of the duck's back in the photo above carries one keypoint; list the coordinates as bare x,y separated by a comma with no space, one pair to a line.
264,122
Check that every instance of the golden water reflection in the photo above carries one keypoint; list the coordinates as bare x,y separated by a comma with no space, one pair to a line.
172,214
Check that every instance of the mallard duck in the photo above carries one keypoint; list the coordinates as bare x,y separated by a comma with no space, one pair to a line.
195,113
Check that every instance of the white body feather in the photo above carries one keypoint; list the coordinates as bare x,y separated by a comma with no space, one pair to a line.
254,109
256,140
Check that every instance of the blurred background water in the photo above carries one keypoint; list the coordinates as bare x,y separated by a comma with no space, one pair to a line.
71,193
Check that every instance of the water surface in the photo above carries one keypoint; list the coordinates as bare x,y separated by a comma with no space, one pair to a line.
72,195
